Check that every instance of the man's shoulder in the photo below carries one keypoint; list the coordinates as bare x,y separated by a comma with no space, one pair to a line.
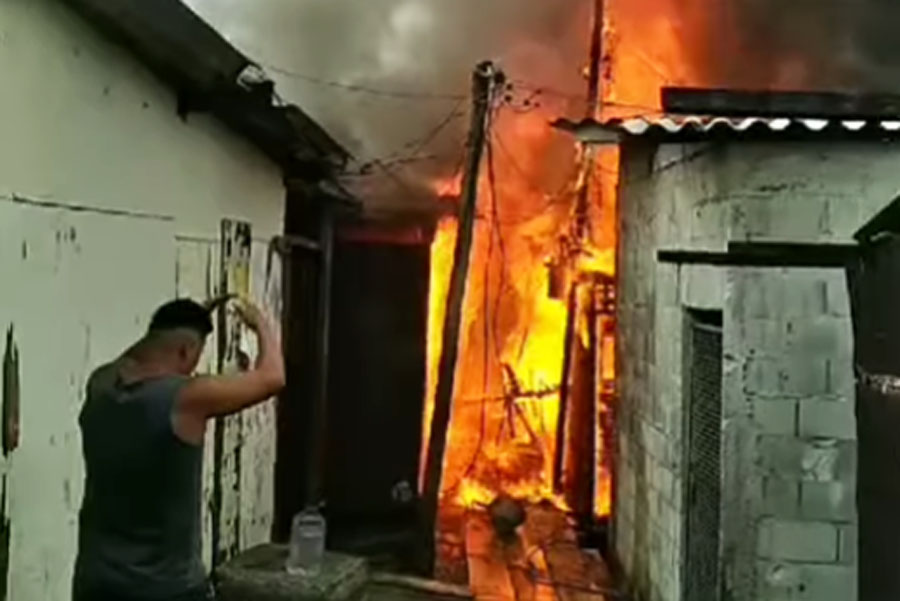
104,373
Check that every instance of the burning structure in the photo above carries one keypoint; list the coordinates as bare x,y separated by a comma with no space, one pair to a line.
730,452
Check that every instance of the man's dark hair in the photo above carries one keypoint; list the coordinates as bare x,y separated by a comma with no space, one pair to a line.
182,314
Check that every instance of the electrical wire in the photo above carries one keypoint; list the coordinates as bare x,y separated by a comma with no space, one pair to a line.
361,89
432,134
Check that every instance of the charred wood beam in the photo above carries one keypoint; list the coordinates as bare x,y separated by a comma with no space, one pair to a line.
565,388
766,254
750,103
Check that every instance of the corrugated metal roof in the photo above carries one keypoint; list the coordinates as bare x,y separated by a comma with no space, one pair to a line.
612,130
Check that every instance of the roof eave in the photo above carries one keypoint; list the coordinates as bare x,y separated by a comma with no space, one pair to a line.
190,56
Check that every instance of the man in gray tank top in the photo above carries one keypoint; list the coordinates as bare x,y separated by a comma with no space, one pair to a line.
143,426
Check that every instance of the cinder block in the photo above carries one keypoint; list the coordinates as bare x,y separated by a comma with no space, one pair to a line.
762,337
803,298
805,582
762,377
849,545
838,297
829,461
841,379
709,222
798,541
776,417
830,583
818,335
831,501
844,216
827,419
668,285
816,460
763,294
780,456
752,217
781,498
804,375
800,217
654,441
703,287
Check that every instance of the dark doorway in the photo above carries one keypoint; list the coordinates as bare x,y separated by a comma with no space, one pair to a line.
376,389
703,434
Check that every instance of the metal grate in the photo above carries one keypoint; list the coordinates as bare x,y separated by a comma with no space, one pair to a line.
704,451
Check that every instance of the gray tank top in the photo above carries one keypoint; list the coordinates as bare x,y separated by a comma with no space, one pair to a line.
140,518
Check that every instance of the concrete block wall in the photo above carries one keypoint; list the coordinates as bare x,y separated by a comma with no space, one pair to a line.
790,528
649,499
789,453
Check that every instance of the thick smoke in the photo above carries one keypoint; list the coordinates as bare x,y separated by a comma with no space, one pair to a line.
421,46
837,45
832,44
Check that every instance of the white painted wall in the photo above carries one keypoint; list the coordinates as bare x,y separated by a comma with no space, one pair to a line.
87,131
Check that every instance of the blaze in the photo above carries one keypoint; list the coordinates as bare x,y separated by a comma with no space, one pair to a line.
528,253
503,430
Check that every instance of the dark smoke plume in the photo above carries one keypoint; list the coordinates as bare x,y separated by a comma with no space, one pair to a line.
419,46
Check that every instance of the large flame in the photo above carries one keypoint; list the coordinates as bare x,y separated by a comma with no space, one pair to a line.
506,408
507,400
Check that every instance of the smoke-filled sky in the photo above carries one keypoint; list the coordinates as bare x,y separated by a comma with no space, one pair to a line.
431,46
428,46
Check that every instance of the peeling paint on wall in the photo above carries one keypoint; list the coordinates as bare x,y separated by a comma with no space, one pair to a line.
236,250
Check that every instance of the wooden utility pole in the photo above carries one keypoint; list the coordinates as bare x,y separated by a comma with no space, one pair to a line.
579,233
484,81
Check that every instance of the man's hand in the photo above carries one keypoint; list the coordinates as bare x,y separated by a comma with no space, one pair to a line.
211,396
251,315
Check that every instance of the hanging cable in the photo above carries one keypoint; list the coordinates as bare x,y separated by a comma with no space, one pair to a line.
361,89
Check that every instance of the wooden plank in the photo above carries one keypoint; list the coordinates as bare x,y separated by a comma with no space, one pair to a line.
760,103
569,570
489,577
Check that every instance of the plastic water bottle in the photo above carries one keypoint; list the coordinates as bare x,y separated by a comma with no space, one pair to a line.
307,549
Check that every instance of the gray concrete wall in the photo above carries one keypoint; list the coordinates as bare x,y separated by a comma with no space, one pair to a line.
788,427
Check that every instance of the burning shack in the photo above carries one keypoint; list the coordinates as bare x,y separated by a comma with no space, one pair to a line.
735,464
528,427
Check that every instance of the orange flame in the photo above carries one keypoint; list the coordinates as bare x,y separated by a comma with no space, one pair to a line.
502,434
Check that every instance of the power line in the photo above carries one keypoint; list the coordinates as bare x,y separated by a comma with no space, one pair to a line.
432,134
361,89
418,144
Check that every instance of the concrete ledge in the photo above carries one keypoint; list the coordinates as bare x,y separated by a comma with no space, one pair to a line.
259,575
